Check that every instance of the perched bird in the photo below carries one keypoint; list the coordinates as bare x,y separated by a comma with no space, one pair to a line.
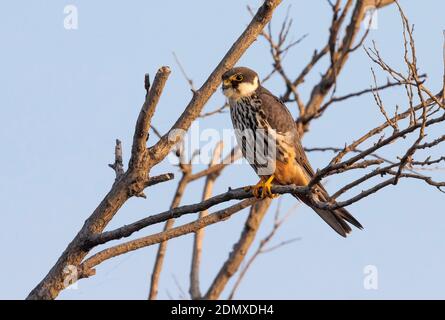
269,140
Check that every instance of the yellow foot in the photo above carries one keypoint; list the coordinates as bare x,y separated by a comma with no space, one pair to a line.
256,188
263,189
266,191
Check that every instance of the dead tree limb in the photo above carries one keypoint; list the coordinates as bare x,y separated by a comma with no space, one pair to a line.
142,159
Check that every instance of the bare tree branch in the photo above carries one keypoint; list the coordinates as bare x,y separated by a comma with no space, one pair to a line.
195,291
118,165
278,222
142,160
422,112
132,183
159,261
202,95
85,269
240,249
232,194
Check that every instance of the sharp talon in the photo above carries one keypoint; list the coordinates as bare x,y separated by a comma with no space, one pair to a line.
256,189
267,189
263,189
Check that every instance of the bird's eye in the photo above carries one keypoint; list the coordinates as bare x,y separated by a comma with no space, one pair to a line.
239,77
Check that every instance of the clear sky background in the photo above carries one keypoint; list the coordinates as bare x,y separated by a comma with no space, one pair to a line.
65,95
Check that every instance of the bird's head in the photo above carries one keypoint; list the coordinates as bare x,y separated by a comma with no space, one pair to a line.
239,82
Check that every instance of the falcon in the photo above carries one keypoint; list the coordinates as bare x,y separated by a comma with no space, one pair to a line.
268,136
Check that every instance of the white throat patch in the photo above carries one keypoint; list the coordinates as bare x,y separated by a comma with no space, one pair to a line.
246,88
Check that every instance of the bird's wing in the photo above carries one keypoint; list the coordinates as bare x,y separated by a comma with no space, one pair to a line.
281,120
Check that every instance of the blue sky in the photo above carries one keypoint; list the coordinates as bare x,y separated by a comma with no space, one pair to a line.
67,94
